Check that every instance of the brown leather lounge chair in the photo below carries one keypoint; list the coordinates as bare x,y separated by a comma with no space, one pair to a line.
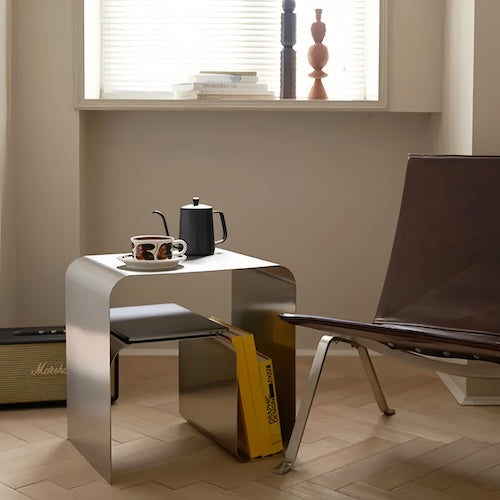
440,303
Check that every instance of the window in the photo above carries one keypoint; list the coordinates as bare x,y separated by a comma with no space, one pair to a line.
139,48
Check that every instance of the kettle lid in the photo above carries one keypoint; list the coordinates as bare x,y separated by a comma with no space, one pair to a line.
197,205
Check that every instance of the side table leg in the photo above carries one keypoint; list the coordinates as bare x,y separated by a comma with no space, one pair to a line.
88,364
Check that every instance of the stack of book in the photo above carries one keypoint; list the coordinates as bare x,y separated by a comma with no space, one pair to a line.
222,85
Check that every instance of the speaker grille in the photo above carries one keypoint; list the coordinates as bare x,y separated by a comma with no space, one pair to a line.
36,373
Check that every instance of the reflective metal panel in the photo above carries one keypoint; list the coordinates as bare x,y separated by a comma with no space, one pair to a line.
88,363
259,295
208,389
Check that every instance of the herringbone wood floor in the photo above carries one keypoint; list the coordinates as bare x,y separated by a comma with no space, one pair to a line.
430,449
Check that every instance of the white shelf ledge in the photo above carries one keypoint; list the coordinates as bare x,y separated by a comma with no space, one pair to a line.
197,105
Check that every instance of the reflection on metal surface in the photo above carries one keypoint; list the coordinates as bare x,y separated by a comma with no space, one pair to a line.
208,389
88,362
258,297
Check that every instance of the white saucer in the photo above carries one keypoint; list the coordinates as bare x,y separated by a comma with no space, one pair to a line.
151,265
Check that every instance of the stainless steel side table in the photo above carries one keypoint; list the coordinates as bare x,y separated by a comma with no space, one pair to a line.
259,291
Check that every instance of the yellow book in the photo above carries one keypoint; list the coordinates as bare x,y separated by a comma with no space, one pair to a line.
269,444
269,392
249,440
258,396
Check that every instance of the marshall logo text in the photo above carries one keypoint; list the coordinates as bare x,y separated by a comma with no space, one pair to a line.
43,369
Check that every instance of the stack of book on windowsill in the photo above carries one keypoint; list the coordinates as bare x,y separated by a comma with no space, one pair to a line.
222,85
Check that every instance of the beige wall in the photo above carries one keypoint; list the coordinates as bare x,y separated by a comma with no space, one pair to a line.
311,191
283,177
486,116
468,123
7,239
454,124
415,56
45,143
87,181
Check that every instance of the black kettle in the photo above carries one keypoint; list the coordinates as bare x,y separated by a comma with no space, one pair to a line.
197,228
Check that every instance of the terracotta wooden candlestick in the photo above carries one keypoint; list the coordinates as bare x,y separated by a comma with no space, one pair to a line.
318,57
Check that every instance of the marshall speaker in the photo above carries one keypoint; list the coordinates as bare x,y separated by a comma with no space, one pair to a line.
33,367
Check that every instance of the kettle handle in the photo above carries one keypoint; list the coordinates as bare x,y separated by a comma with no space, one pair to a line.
224,227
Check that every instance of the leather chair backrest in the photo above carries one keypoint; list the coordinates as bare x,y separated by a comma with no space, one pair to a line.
444,268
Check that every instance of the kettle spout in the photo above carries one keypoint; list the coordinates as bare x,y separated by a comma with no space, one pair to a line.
163,219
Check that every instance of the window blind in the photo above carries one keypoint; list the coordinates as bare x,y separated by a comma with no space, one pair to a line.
148,45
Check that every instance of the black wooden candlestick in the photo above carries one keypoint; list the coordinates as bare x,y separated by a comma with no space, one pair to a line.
288,59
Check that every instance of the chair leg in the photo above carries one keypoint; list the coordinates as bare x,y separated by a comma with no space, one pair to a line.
373,379
305,406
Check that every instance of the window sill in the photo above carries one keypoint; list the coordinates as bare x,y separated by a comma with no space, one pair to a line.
235,105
